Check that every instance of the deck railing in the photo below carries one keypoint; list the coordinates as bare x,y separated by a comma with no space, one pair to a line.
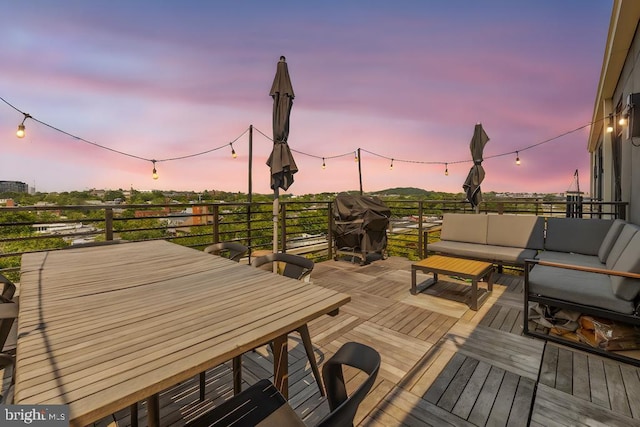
304,227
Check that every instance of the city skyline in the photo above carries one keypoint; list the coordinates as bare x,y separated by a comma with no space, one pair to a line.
408,84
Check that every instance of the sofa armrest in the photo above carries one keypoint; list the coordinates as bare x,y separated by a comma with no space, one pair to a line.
529,263
425,238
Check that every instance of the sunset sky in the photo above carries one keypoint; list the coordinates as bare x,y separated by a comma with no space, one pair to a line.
406,80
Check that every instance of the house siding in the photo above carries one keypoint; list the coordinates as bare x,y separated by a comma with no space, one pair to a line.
624,80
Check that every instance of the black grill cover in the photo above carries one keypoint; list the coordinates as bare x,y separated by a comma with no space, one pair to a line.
360,223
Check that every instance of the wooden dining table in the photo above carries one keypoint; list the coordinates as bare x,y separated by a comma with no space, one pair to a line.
102,328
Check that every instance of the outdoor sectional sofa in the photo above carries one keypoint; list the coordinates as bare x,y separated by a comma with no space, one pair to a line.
501,239
591,266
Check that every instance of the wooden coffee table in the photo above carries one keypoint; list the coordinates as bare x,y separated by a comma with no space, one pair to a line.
450,266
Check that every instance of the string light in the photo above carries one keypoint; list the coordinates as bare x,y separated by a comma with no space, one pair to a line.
391,166
355,158
517,159
154,173
610,124
21,132
324,166
233,152
446,169
623,120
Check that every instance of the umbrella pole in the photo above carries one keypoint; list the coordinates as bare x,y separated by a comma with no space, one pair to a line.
276,209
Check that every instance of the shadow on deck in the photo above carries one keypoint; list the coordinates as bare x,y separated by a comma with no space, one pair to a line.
442,363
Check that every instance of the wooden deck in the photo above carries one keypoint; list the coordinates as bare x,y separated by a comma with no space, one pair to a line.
442,363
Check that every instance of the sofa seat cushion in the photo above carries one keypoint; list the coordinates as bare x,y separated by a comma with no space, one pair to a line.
484,252
572,259
582,236
579,287
518,231
469,228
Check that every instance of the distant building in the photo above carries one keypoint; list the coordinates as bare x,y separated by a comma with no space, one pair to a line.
14,187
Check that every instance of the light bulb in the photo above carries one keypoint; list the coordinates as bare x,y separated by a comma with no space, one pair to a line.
20,131
517,159
324,166
391,166
446,169
355,159
610,124
233,153
154,173
622,121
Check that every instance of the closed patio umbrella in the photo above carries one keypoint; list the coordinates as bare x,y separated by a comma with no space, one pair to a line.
471,185
281,160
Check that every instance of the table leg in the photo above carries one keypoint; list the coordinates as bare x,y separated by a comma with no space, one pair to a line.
490,281
281,365
414,289
153,411
414,280
474,295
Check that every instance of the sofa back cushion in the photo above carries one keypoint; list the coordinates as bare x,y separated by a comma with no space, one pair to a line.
582,236
523,231
610,239
627,233
470,228
629,261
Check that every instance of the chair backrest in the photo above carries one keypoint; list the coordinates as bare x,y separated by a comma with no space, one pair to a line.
8,311
233,250
295,266
343,408
8,288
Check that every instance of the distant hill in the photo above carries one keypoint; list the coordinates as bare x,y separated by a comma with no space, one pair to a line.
402,191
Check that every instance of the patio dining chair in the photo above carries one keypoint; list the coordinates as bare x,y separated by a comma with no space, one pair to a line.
231,250
295,267
262,404
8,315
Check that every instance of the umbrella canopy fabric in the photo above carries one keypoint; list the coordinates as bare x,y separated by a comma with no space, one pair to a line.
281,161
471,185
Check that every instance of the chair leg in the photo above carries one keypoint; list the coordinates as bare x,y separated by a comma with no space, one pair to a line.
133,409
202,386
237,375
308,347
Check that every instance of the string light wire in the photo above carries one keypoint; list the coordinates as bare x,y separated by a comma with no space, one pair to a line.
349,153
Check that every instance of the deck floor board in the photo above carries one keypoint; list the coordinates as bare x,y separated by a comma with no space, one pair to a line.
442,363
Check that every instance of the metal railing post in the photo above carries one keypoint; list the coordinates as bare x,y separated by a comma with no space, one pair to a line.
216,224
108,224
330,231
420,231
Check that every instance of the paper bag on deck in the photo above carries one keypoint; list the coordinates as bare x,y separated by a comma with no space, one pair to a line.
608,335
587,336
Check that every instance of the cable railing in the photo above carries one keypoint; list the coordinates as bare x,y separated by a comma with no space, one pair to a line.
304,227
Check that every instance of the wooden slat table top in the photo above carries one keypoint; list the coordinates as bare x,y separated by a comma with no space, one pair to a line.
445,264
103,327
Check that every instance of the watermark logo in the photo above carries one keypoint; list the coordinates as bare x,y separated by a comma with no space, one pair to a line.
34,415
